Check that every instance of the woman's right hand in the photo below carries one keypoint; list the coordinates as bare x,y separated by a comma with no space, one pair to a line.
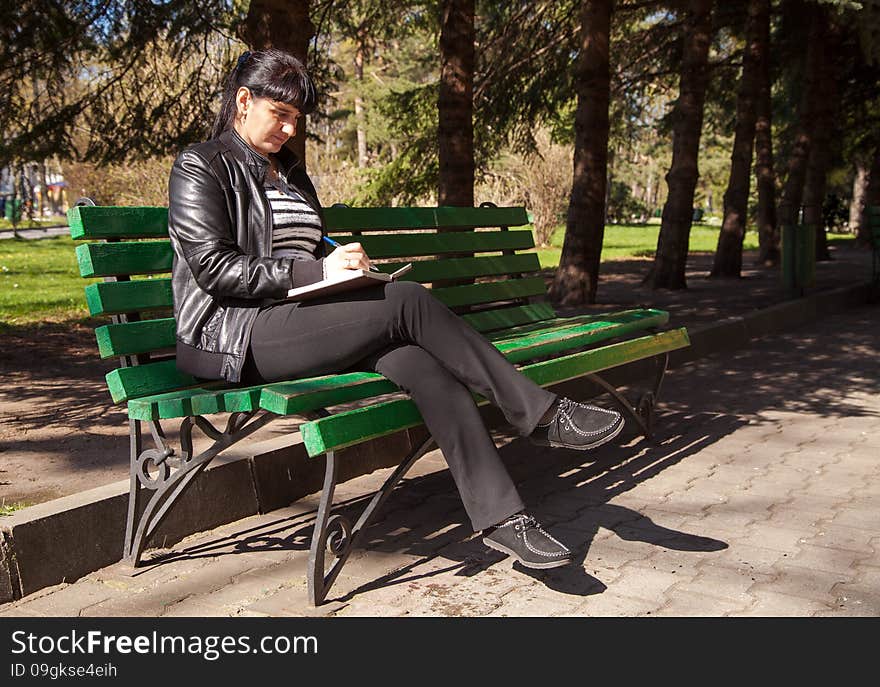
350,256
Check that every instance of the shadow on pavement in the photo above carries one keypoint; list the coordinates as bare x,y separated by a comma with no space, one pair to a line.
424,521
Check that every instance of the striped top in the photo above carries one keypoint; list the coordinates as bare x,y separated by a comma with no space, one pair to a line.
296,227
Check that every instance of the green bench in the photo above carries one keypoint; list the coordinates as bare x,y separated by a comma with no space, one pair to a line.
480,269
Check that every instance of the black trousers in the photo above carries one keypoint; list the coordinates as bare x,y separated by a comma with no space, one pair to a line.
401,331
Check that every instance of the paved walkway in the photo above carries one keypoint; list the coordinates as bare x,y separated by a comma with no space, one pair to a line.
759,496
40,233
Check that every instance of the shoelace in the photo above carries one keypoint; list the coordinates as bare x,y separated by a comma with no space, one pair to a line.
528,522
566,406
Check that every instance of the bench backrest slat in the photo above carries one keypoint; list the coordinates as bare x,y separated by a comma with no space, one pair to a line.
155,257
491,320
414,245
110,222
124,258
490,292
114,297
341,219
120,222
132,338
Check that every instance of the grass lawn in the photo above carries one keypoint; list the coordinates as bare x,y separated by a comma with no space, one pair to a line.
39,279
639,241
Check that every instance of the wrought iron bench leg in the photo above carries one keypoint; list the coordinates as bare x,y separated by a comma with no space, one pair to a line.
643,412
168,486
335,534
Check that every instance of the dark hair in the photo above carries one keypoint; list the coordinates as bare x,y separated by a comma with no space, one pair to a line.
272,74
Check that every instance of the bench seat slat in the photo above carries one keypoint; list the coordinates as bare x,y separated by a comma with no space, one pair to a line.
108,222
378,219
282,398
145,380
114,297
652,317
560,339
353,427
124,258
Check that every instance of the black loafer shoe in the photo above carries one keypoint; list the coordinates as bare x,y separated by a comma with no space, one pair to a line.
578,426
521,536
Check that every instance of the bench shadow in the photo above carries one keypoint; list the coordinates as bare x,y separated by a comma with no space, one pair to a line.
423,519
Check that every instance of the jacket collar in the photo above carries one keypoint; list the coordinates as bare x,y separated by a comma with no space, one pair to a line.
258,162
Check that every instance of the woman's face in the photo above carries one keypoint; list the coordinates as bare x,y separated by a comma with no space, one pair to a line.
263,123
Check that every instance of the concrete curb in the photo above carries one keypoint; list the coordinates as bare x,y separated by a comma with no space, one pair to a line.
258,478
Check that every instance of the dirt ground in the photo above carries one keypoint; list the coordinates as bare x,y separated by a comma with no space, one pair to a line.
60,432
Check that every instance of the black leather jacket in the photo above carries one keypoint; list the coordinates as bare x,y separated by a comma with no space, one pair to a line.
220,224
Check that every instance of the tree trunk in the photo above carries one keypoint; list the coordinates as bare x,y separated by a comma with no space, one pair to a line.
825,111
793,191
728,255
670,261
359,102
282,24
577,277
609,182
872,196
455,104
857,224
768,231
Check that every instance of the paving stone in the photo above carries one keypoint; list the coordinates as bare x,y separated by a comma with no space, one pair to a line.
681,604
860,596
843,537
824,506
523,604
66,600
794,580
863,518
773,604
824,558
123,577
644,583
787,515
189,608
154,600
743,557
775,537
612,604
293,602
724,578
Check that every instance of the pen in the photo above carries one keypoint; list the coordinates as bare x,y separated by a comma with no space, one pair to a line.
335,244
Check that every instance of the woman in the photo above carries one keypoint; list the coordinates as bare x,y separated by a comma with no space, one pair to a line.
246,226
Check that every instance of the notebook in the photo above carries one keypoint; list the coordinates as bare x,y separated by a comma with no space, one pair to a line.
348,281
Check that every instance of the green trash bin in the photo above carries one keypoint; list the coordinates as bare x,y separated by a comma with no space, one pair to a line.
13,210
798,258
